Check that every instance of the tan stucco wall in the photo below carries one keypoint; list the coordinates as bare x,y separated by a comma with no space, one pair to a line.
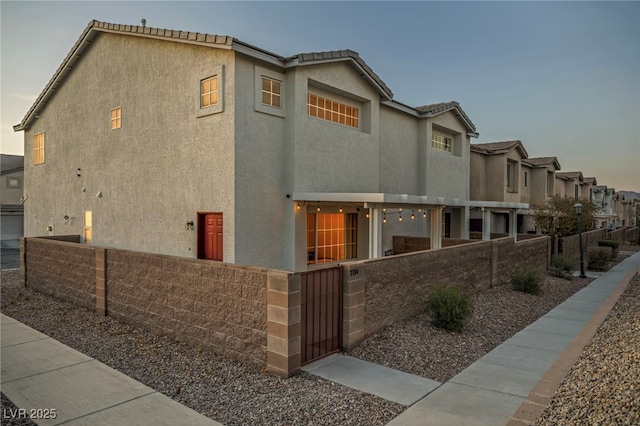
154,173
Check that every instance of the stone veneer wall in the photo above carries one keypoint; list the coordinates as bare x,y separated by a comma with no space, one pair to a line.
570,245
248,314
409,244
212,305
59,268
380,292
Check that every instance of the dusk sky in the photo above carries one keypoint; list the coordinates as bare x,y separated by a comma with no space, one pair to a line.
562,77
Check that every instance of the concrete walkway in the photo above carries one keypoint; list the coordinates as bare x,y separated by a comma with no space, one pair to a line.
511,384
40,373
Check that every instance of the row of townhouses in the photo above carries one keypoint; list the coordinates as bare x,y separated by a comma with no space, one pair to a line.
204,146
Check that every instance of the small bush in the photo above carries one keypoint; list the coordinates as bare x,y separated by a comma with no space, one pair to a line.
615,246
527,280
562,266
599,258
449,308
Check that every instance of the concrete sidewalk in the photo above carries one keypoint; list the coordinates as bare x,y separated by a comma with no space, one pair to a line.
513,383
48,379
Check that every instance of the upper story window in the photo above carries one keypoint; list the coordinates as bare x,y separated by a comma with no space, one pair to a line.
442,142
210,99
38,148
331,110
14,182
526,179
209,92
271,92
512,176
116,118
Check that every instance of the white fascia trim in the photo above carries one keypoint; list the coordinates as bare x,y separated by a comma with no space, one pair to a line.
257,54
378,198
400,107
498,205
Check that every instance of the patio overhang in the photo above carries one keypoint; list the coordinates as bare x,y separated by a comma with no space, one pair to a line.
370,199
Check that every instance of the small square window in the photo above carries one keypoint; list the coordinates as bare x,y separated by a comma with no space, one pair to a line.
14,182
116,118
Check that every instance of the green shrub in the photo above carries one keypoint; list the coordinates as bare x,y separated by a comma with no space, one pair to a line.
449,308
562,266
615,246
599,258
527,280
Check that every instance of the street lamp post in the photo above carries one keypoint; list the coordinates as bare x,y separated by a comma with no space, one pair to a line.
578,208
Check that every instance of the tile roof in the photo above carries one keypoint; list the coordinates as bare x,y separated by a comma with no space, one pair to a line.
219,41
11,163
592,180
569,175
432,110
492,148
543,162
341,55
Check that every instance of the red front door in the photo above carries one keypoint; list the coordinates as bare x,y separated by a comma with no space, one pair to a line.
210,236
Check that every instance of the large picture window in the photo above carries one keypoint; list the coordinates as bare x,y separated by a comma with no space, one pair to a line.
331,110
441,142
331,237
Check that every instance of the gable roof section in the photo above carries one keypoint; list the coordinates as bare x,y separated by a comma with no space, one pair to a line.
592,180
494,148
570,175
94,28
541,162
342,55
11,163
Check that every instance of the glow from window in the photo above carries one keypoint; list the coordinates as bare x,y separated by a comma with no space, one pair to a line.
330,110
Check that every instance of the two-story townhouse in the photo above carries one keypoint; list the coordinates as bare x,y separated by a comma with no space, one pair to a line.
568,184
601,197
201,145
540,178
11,198
498,175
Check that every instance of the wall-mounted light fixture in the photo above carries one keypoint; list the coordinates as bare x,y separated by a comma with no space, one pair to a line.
99,194
189,226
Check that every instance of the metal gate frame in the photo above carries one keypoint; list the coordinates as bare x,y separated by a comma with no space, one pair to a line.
321,313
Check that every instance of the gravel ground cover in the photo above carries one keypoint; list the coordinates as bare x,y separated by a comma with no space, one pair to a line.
224,390
416,346
603,387
233,393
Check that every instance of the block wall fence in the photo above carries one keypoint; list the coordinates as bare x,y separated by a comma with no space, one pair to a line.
253,315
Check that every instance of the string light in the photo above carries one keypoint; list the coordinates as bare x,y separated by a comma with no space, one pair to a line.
413,216
298,205
340,209
384,217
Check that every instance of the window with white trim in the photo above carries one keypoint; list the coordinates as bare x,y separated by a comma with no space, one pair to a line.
441,142
38,148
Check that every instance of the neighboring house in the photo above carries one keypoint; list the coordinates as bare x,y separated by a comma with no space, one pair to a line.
540,175
623,210
201,145
499,174
11,184
568,184
602,197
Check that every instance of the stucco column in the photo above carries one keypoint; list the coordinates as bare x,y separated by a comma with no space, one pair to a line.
435,231
486,223
513,223
465,222
375,233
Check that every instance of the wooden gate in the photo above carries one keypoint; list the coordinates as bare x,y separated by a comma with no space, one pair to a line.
321,311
